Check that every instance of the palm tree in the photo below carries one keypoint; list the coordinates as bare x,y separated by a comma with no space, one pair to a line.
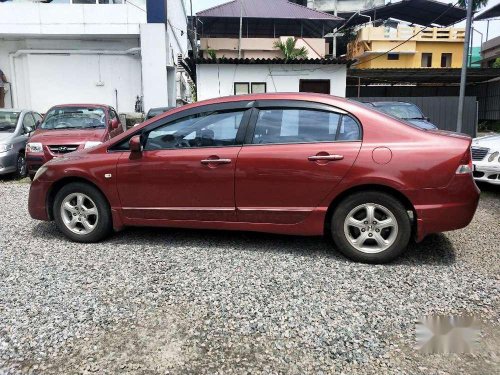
289,51
476,4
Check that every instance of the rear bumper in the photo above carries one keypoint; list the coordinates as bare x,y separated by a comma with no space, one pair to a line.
445,209
37,200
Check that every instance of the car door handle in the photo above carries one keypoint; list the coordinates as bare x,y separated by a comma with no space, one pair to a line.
325,157
216,161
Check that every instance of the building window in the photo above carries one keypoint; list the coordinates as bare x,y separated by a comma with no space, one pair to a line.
393,56
426,60
241,88
445,60
259,87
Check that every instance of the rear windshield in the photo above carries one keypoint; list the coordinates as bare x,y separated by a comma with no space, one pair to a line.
402,111
8,121
74,118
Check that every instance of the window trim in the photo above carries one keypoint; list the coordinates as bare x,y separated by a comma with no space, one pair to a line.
244,105
295,104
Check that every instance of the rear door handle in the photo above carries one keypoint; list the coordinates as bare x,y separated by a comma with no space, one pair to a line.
325,157
216,161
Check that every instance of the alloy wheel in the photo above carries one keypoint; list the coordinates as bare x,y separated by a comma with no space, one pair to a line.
79,213
371,228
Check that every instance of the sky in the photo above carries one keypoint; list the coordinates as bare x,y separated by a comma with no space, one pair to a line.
480,26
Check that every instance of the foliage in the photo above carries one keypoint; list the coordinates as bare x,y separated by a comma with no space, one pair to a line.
496,64
212,54
289,51
194,94
476,4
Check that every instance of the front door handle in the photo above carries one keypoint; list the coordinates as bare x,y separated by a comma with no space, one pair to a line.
325,157
216,161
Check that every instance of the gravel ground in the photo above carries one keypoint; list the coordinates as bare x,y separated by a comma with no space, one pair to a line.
164,301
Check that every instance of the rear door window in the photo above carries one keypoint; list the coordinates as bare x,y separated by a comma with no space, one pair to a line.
294,125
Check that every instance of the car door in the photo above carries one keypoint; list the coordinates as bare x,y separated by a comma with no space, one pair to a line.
294,155
186,170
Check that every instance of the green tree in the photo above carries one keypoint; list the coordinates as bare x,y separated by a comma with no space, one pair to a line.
289,51
476,4
496,64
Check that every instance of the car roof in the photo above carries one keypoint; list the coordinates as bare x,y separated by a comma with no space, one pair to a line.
82,105
391,103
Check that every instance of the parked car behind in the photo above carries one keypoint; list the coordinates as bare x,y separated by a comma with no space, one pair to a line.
405,111
15,127
157,111
486,159
301,164
68,128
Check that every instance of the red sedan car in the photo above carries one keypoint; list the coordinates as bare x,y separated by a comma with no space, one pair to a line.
68,128
301,164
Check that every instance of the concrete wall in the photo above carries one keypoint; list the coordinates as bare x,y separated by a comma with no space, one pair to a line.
217,80
343,5
41,78
70,19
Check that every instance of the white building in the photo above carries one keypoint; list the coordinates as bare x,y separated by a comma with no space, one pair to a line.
70,51
228,77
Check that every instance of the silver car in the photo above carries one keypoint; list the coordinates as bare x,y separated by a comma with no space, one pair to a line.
16,125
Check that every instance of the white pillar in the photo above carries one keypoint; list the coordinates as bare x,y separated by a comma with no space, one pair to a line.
154,52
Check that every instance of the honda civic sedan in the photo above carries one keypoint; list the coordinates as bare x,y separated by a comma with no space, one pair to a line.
295,164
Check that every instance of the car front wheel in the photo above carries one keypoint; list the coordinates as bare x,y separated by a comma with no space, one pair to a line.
21,168
82,213
371,227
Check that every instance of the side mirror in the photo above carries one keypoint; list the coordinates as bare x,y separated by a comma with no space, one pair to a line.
135,144
427,119
113,124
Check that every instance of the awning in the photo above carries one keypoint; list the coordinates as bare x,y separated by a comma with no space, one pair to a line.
493,12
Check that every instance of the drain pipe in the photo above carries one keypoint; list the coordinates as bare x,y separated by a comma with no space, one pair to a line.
12,56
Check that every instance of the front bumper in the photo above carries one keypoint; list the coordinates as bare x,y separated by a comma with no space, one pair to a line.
35,161
487,172
37,200
8,162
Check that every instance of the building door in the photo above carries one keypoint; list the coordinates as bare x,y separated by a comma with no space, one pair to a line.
320,86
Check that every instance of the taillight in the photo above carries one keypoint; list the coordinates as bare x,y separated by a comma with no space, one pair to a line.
465,166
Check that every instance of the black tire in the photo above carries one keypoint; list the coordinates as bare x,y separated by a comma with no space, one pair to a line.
378,198
21,167
103,225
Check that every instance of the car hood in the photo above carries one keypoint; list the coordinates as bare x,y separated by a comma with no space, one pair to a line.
421,123
489,141
68,136
5,137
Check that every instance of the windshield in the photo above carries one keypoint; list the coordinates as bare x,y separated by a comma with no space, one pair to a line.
74,118
8,121
402,111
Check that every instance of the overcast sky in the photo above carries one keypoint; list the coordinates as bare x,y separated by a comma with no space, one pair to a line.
479,25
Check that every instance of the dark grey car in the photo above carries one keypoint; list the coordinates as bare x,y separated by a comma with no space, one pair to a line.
15,129
405,111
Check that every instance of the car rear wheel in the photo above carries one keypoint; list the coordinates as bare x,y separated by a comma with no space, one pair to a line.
82,213
21,167
371,227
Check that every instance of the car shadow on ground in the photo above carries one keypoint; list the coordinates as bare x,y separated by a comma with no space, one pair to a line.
434,250
489,189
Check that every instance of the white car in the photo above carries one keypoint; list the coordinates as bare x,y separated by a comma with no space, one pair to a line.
486,159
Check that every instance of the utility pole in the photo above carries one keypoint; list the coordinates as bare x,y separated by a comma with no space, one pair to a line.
241,30
463,74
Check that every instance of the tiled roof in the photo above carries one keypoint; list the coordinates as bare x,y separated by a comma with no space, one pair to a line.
244,61
265,9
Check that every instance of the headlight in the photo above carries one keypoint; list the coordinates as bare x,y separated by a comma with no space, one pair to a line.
39,172
34,147
493,156
91,144
5,148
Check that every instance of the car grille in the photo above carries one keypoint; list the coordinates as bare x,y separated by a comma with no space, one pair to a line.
62,149
478,153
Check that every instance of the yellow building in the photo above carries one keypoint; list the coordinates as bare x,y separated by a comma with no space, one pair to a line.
432,48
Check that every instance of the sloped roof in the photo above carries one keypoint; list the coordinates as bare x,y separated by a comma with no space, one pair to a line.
247,61
277,9
493,12
420,12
